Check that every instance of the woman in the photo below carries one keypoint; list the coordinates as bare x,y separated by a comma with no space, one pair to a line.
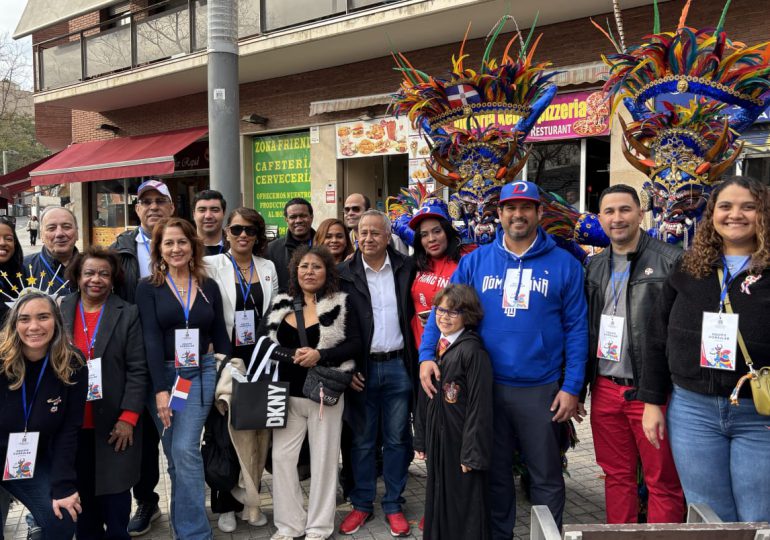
42,391
333,234
720,450
33,226
11,263
183,325
106,330
332,341
247,283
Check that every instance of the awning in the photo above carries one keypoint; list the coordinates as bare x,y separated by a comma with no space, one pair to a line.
347,104
588,73
17,181
127,157
39,14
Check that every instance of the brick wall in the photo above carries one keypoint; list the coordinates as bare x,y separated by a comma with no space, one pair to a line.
53,126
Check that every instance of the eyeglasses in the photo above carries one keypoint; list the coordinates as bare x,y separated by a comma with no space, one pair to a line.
451,313
349,209
237,230
160,201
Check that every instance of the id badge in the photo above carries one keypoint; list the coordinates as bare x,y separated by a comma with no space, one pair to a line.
610,338
718,341
21,455
511,285
244,328
95,388
186,347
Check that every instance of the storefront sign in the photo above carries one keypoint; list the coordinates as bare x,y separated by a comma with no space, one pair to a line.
372,137
281,172
105,236
193,157
331,193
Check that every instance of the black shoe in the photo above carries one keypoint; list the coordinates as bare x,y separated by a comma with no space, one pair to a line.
141,521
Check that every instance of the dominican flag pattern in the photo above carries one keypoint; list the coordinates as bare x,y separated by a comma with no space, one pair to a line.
179,394
462,95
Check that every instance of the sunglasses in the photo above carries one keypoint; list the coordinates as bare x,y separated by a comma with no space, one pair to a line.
348,209
237,230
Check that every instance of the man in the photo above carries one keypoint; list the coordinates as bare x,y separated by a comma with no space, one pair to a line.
60,233
134,247
298,214
534,329
622,284
355,205
377,280
209,208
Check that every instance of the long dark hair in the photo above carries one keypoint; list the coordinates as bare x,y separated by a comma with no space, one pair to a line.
15,264
421,257
332,283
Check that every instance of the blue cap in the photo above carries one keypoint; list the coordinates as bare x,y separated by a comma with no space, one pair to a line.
519,190
432,208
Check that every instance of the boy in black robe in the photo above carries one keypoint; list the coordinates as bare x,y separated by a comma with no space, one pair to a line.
454,429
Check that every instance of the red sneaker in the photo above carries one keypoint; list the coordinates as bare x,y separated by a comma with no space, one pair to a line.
353,521
422,523
399,526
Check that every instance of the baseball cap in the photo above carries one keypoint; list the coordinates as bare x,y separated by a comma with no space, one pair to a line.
519,190
432,208
157,185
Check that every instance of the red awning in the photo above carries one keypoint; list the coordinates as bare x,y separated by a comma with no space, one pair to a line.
127,157
19,180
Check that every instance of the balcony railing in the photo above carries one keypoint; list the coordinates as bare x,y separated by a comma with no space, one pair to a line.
165,30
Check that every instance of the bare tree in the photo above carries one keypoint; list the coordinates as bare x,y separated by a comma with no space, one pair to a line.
15,76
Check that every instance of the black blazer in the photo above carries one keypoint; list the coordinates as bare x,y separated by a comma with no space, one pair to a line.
125,380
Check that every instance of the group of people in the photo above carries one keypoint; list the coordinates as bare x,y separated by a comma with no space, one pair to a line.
460,356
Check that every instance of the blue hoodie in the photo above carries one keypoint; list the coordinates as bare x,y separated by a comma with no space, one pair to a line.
534,346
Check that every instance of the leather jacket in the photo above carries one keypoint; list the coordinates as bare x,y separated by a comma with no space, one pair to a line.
125,245
651,264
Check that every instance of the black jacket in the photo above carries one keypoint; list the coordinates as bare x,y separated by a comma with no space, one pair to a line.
651,263
44,262
125,379
672,348
125,245
280,251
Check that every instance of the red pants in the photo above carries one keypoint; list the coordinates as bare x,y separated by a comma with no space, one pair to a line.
619,442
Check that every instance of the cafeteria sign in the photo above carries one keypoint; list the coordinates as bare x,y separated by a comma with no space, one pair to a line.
281,172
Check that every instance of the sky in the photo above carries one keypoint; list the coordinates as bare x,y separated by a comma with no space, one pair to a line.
10,13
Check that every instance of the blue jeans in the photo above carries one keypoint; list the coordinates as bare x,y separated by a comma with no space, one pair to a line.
182,447
35,494
722,453
387,396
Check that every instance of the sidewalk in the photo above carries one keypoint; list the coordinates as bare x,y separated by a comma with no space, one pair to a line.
585,502
23,234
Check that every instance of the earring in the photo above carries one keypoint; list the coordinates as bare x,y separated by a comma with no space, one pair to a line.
163,266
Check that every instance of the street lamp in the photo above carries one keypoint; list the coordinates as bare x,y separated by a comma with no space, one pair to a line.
5,159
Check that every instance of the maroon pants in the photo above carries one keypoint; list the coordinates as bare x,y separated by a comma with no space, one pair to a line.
619,442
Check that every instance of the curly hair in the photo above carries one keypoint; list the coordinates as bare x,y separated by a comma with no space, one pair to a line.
323,230
64,358
708,245
75,268
256,220
157,273
332,283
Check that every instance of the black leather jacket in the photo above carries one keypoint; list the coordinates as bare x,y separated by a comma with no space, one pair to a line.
651,263
125,245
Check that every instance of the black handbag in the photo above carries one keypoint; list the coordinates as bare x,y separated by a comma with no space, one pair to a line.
220,461
260,404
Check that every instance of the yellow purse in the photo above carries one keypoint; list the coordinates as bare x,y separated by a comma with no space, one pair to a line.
760,380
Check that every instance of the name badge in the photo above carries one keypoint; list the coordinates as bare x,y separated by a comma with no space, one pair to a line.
610,338
244,328
95,388
21,455
718,341
186,347
512,286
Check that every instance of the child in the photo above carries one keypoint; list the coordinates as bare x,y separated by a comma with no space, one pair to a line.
457,428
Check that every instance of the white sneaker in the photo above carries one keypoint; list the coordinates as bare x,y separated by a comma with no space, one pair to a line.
259,522
279,536
226,522
314,536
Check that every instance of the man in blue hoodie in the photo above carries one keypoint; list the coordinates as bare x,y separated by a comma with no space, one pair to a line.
536,332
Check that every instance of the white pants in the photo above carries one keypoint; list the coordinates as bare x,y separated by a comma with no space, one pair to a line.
290,517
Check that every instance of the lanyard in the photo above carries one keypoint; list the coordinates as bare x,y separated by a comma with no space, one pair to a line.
623,279
185,308
245,289
146,241
727,279
92,339
54,275
28,408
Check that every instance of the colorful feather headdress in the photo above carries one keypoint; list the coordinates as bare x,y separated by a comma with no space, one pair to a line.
448,110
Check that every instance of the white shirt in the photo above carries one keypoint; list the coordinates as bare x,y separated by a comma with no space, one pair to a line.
143,254
387,335
519,255
451,338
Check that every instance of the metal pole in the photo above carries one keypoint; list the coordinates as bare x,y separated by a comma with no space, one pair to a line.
224,114
583,173
5,163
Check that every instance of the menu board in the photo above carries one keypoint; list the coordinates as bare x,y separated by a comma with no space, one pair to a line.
368,138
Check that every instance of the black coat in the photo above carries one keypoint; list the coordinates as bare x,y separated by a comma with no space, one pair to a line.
125,245
651,263
44,262
280,252
125,379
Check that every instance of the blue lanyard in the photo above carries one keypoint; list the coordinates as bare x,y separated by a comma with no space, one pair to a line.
245,289
48,267
92,339
28,408
727,279
623,278
185,308
146,241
